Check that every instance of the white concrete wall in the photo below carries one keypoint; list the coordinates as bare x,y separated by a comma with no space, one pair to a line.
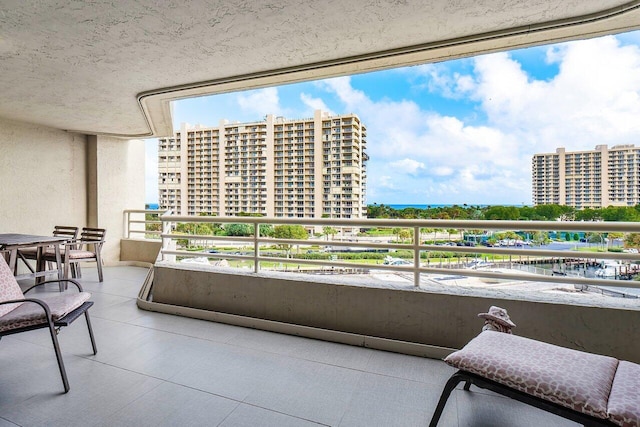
51,177
43,176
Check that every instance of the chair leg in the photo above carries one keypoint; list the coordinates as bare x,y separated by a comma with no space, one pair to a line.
448,388
56,347
467,385
73,270
93,341
99,262
78,272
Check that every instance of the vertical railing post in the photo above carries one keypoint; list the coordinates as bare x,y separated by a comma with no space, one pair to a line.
127,220
416,256
256,247
166,241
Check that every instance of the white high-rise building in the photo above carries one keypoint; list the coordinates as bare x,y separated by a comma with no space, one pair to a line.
588,179
301,168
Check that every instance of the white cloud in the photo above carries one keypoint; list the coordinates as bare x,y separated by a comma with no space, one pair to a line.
440,80
593,100
314,103
409,166
442,171
385,181
432,158
351,97
261,101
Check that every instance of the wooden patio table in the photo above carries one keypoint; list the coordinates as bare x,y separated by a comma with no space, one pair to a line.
11,242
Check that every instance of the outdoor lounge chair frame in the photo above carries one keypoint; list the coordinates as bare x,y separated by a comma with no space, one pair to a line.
55,325
484,383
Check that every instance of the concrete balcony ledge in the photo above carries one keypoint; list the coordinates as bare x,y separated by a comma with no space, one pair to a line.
429,321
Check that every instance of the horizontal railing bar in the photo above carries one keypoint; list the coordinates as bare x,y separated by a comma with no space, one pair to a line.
515,255
608,226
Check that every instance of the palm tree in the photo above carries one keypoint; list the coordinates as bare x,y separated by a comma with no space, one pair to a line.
329,231
396,232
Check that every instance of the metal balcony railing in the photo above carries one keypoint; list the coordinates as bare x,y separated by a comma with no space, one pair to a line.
423,262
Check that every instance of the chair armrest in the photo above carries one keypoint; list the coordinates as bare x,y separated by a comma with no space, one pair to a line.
75,282
41,303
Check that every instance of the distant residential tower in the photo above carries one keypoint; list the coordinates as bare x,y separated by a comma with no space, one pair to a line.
588,179
300,168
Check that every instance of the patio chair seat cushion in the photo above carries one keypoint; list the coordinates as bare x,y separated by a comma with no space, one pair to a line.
80,254
9,289
29,313
624,401
573,379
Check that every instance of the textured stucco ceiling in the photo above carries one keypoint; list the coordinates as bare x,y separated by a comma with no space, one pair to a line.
113,67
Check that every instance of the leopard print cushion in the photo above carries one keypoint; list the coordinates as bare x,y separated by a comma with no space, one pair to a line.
624,401
574,379
30,313
9,288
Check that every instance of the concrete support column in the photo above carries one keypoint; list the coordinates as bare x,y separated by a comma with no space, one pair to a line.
115,182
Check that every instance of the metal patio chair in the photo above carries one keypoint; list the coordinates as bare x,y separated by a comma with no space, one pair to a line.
86,248
19,313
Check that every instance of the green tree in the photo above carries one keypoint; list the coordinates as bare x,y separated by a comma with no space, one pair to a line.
594,237
152,217
613,236
553,212
588,214
632,240
426,231
502,212
266,230
540,238
405,234
620,213
238,229
289,232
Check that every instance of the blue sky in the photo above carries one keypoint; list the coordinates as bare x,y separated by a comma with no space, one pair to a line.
461,131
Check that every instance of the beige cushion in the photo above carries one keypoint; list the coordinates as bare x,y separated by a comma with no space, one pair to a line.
30,313
573,379
624,401
9,288
80,254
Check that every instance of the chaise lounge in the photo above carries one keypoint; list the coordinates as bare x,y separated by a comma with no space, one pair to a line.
586,388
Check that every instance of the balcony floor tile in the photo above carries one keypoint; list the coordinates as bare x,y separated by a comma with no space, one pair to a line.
156,369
